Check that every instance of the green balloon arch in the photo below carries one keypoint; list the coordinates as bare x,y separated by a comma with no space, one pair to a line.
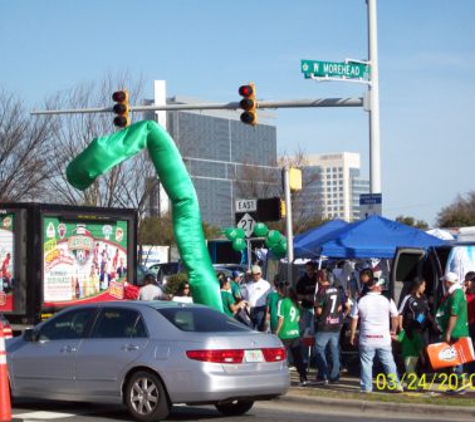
106,152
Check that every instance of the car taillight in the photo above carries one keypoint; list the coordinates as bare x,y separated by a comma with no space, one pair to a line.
216,356
276,354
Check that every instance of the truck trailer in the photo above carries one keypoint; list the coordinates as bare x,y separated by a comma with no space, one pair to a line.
53,256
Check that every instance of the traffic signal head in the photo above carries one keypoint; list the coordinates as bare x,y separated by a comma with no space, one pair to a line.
248,104
121,108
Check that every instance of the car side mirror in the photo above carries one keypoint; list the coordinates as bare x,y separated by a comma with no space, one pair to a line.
29,335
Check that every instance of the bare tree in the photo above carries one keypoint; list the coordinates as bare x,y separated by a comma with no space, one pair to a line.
25,151
126,185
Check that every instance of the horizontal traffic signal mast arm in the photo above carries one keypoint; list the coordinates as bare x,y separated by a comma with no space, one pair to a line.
318,102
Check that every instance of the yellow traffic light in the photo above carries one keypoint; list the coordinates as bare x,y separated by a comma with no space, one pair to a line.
121,108
295,179
248,104
283,210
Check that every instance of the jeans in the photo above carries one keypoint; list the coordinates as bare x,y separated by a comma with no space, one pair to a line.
385,355
306,326
322,340
258,317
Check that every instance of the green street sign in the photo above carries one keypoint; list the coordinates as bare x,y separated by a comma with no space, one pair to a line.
334,69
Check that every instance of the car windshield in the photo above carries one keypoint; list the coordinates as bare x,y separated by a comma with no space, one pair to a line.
201,320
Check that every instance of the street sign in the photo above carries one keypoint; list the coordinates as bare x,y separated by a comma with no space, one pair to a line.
342,70
247,223
246,205
370,204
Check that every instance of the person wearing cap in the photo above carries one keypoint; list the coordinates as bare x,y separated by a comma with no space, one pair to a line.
452,315
375,312
256,292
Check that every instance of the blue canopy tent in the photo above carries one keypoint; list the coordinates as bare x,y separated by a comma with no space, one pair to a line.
374,237
306,244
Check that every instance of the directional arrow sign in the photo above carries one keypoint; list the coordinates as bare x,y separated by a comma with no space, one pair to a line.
247,223
335,70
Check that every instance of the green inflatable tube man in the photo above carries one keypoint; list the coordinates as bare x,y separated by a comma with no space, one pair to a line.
108,151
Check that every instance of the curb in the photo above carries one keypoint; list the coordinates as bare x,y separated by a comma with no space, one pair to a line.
364,405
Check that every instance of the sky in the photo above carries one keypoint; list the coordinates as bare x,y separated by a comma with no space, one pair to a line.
208,48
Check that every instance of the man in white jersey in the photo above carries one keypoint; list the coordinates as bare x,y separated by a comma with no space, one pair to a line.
374,311
256,292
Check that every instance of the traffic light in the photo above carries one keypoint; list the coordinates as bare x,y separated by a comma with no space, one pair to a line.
269,209
283,209
248,104
121,108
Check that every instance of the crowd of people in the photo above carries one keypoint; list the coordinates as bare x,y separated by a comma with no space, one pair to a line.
319,306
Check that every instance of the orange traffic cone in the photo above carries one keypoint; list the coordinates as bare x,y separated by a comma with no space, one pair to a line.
5,403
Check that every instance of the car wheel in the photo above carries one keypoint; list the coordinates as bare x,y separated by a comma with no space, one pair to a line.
146,398
235,408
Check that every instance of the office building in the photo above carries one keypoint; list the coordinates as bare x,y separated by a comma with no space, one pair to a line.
226,159
334,182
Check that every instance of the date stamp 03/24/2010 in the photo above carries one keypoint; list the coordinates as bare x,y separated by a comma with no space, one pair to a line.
434,382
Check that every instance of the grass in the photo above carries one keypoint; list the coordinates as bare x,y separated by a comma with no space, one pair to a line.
409,397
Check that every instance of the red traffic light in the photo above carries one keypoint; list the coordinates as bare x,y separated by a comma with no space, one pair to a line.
119,96
246,91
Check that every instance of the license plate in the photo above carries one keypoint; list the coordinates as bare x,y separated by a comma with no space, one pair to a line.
253,356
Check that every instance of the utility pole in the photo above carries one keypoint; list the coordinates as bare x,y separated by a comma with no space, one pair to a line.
288,223
373,91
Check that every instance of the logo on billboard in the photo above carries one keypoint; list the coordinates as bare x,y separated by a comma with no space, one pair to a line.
107,231
50,232
62,230
7,222
119,234
81,243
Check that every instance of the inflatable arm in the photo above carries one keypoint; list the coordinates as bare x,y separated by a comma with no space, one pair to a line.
106,152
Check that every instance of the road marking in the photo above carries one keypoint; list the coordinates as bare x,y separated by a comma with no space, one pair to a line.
43,415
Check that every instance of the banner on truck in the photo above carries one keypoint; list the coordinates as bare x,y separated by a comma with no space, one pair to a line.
83,261
7,260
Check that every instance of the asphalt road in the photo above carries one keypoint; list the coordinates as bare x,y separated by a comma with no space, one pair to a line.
274,411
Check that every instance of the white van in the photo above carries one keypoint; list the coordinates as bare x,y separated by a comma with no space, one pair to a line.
430,264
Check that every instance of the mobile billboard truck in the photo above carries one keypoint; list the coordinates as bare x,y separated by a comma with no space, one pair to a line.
53,256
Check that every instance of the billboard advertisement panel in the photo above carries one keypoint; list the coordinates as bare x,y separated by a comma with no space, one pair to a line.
83,261
7,260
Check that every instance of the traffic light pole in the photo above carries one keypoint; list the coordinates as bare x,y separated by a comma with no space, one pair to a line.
288,223
318,102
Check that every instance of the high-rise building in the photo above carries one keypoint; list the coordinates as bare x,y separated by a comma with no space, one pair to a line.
334,182
221,153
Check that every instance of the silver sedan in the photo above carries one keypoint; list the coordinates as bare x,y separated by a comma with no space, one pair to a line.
149,356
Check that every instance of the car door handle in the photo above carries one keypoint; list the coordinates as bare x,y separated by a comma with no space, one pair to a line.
129,347
68,349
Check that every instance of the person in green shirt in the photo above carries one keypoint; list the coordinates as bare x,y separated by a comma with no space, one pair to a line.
452,313
273,299
235,285
230,306
452,316
288,330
